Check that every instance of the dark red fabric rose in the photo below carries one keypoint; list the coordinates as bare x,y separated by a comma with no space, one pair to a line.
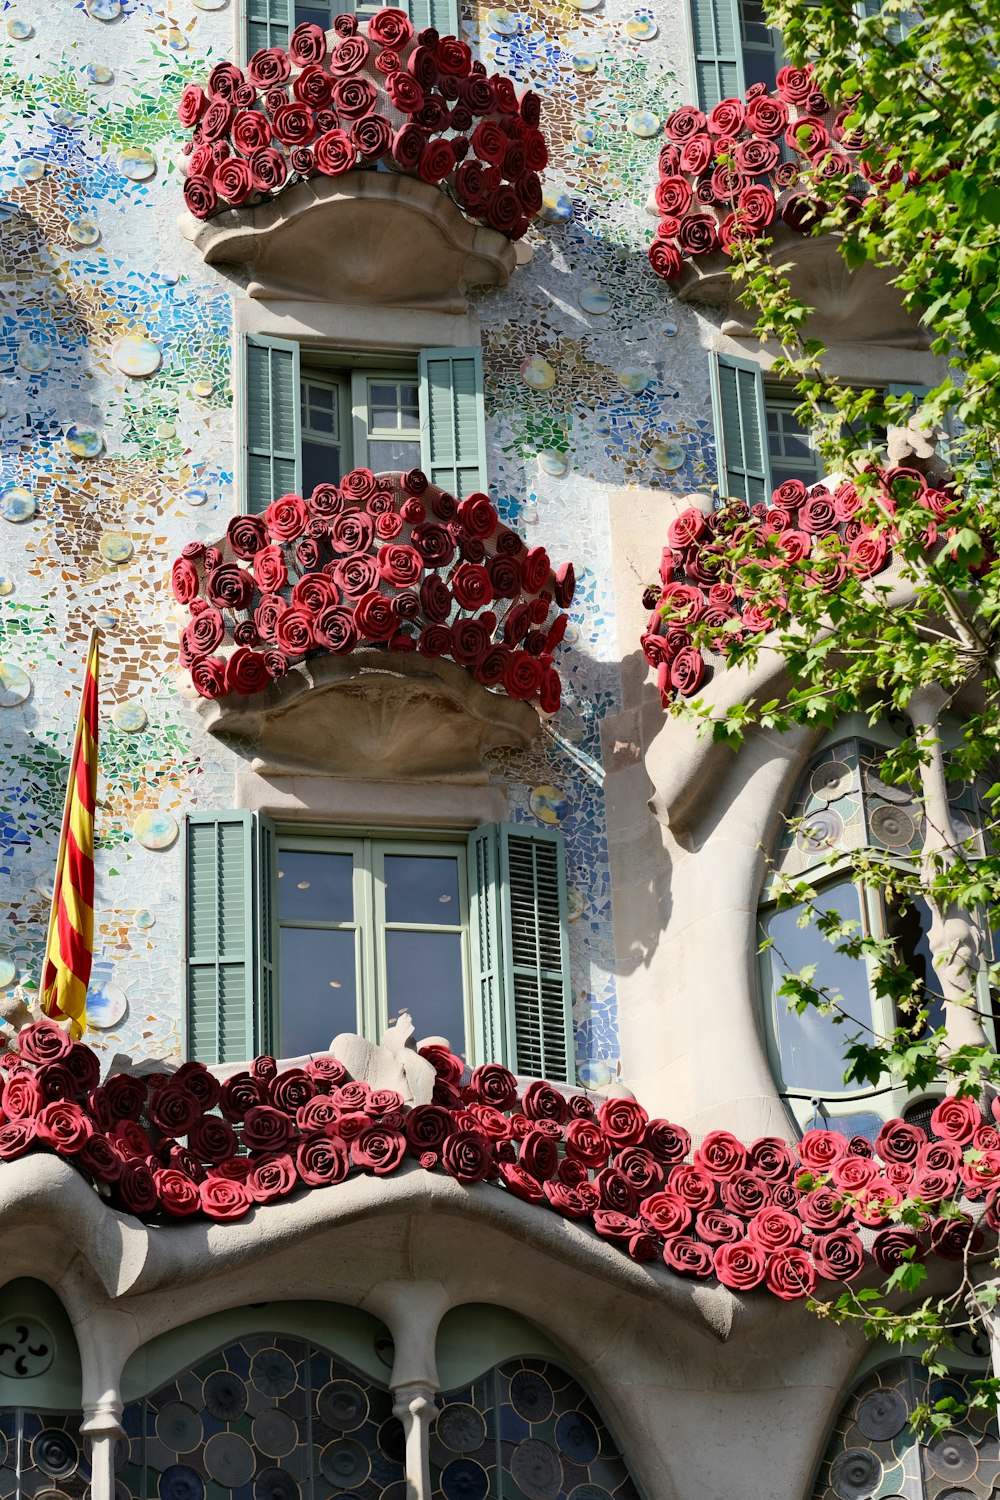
43,1042
684,123
307,45
892,1247
795,84
322,1159
898,1141
521,1183
467,1155
228,587
379,1149
687,1256
790,1273
266,1128
100,1158
741,1265
692,1184
956,1119
224,1199
16,1137
494,1085
268,67
372,136
224,79
838,1256
334,153
64,1126
177,1192
212,1139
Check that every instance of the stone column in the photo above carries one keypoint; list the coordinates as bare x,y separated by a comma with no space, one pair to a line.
415,1408
955,938
412,1311
102,1425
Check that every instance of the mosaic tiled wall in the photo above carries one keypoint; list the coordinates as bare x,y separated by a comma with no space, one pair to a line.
117,443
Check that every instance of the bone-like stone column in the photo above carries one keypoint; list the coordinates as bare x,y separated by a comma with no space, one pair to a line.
955,938
102,1425
412,1311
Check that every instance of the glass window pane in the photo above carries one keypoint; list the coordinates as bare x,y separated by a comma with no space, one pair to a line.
910,929
812,1046
421,888
316,15
319,421
382,395
315,887
424,977
385,457
322,464
319,989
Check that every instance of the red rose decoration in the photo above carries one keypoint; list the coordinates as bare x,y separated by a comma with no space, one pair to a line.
740,1265
684,123
295,632
64,1126
334,152
177,1192
307,45
192,106
224,1199
892,1247
795,84
791,1274
268,67
16,1137
375,617
665,1214
899,1142
688,1257
379,1149
956,1120
390,28
372,136
838,1256
467,1156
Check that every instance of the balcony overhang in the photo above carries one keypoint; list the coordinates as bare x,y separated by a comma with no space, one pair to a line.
368,238
375,714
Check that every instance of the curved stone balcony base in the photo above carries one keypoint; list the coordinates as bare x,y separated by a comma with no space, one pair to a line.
858,306
374,714
376,239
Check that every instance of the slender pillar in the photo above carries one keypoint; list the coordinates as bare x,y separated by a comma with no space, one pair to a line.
955,938
102,1425
415,1408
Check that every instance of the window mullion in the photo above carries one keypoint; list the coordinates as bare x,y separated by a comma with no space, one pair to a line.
359,418
374,1005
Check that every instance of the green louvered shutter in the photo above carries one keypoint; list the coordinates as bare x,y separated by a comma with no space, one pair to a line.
268,24
718,57
452,423
489,1022
740,429
273,422
535,934
224,989
441,14
265,878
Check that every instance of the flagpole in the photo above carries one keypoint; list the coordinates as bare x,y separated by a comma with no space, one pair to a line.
64,826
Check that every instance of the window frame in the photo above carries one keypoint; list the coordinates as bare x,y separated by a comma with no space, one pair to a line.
883,1099
368,849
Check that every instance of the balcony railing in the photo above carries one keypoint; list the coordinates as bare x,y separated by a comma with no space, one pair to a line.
772,164
370,96
818,531
388,562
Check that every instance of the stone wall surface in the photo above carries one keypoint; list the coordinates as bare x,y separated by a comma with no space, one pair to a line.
595,379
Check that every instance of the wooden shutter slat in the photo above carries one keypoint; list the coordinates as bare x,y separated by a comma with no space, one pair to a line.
718,55
740,429
268,24
490,1028
452,423
536,951
272,409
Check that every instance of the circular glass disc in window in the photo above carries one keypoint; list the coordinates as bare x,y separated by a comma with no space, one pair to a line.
952,1456
855,1474
881,1415
830,780
229,1459
178,1426
531,1396
274,1484
273,1373
55,1453
342,1405
893,827
819,830
345,1464
884,789
536,1469
461,1428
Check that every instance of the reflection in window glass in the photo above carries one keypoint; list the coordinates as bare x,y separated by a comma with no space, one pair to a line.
422,889
425,977
319,988
315,887
811,1045
909,928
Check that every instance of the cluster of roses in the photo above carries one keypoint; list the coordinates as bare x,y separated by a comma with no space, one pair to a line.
818,532
380,95
724,176
388,560
762,1215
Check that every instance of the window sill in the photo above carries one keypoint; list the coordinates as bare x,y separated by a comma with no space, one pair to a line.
850,306
375,714
368,238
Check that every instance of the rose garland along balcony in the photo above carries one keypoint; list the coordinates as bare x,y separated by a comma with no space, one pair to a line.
757,166
398,146
817,531
758,1216
384,568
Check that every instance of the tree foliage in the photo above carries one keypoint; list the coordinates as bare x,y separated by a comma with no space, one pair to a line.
923,87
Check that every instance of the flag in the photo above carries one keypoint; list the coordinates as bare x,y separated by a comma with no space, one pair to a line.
70,949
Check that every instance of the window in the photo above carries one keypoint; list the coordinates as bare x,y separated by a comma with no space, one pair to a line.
842,804
874,1451
269,23
294,936
312,414
760,441
733,48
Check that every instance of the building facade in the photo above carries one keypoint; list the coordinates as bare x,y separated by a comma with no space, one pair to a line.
319,816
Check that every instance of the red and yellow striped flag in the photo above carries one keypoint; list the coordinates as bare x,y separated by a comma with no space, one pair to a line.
70,950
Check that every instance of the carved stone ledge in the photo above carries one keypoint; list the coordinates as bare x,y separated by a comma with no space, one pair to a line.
377,715
375,239
857,306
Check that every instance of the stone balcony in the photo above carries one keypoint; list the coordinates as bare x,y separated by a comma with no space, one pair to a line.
772,165
382,626
368,165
